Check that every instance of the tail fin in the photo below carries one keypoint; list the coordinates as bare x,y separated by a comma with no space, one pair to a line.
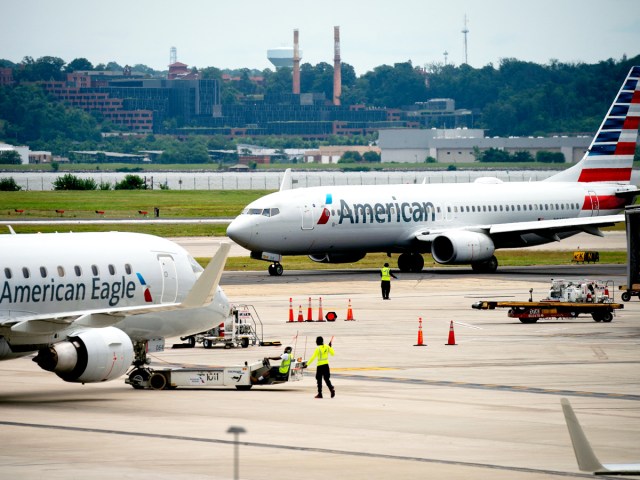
610,155
586,458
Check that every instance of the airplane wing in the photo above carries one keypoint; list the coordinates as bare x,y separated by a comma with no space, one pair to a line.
200,295
545,228
585,456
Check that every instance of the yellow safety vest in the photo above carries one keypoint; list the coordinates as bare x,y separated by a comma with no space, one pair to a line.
285,364
386,273
322,353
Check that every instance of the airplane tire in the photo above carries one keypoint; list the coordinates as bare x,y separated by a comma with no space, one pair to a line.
488,266
157,381
279,269
417,262
404,262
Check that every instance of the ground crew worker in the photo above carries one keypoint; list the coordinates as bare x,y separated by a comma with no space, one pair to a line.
322,353
385,281
281,372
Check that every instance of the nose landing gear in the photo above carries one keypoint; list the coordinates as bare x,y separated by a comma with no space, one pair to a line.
275,269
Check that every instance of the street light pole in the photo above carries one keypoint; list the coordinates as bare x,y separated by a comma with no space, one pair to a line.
236,460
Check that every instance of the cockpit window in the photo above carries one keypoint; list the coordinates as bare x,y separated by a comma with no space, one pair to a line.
255,211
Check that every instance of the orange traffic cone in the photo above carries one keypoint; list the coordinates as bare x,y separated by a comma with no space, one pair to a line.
420,339
320,317
349,313
309,312
452,336
300,317
290,309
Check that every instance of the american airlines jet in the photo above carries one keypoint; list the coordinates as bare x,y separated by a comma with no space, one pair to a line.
91,304
455,223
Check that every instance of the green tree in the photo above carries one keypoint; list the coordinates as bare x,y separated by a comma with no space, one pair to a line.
350,156
9,185
78,64
371,157
131,182
549,157
71,182
10,157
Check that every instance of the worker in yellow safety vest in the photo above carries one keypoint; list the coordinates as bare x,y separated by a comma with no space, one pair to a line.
281,372
385,281
322,353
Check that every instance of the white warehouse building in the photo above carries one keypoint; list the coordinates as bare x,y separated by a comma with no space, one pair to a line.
408,145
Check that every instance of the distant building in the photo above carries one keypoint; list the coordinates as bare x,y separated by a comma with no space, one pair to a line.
452,146
26,155
6,76
331,154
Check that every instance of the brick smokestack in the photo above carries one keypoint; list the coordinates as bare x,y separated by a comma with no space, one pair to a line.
337,74
296,64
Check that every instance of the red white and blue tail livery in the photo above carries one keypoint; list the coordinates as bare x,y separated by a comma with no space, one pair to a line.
455,223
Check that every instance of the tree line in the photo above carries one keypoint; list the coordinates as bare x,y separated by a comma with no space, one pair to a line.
513,98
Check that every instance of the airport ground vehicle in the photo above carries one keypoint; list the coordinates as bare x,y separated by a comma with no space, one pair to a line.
566,299
241,329
243,377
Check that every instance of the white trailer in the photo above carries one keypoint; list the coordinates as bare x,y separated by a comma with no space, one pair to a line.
243,377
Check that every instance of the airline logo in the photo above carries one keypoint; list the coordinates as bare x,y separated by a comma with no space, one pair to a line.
113,291
608,156
381,212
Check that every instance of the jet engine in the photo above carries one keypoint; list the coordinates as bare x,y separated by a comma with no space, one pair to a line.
92,355
462,247
338,257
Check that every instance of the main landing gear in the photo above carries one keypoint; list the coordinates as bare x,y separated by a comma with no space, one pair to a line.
275,269
410,262
487,266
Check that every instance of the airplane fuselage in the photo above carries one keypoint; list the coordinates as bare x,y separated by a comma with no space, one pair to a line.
386,217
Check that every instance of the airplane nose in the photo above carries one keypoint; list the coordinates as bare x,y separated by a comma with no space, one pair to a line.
239,232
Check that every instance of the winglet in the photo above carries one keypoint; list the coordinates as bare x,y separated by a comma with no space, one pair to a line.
286,183
586,458
204,289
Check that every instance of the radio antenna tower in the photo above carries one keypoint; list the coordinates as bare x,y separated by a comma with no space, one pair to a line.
465,30
173,55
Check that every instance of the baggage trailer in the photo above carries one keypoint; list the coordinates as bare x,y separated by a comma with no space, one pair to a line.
243,377
632,218
566,299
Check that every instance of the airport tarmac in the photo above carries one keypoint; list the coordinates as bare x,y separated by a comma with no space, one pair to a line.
488,407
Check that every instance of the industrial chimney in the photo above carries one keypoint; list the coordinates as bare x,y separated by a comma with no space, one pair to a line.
337,74
296,64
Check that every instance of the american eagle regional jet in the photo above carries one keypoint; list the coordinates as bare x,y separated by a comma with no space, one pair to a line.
91,304
455,223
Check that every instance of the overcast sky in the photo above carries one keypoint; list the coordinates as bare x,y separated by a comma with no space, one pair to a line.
233,34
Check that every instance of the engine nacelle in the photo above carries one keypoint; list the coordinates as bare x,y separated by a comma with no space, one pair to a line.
92,355
462,247
338,257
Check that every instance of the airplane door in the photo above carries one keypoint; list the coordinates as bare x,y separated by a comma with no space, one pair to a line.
169,279
307,218
595,204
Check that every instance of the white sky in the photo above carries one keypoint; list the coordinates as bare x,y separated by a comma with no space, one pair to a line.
237,33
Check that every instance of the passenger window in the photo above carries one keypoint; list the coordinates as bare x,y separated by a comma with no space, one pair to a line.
94,270
60,271
25,272
43,272
78,271
7,273
127,268
112,270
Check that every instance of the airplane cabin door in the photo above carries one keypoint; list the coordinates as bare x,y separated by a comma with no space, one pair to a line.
307,218
169,279
595,204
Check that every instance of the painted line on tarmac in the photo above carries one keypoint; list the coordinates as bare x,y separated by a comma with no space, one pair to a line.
297,448
490,386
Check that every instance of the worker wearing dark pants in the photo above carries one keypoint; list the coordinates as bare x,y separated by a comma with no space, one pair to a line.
323,371
385,282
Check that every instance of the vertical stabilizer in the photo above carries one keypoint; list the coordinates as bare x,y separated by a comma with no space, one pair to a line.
610,155
587,460
286,183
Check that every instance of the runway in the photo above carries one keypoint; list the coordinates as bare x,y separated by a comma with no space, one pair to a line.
488,407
